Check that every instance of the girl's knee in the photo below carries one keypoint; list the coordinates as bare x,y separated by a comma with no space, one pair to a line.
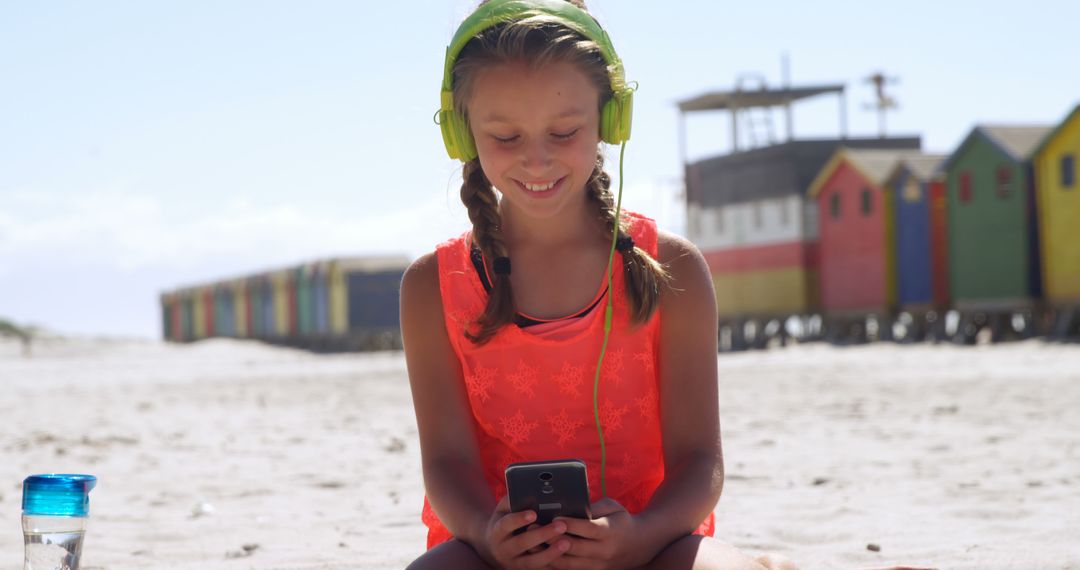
450,555
776,562
707,553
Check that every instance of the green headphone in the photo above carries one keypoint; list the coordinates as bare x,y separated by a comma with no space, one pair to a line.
614,117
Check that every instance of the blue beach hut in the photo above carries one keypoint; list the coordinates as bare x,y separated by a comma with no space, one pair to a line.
919,272
910,182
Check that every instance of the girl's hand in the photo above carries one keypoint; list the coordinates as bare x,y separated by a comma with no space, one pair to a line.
609,540
524,550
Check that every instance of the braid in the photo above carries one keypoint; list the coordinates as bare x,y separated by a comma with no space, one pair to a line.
479,197
644,275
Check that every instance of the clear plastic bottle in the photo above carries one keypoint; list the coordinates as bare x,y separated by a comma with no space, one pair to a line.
55,508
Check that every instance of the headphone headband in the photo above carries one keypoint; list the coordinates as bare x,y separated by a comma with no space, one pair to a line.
615,117
497,12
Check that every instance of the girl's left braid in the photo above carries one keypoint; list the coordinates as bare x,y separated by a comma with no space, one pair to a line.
479,197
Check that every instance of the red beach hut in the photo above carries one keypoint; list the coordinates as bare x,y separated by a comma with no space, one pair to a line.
856,225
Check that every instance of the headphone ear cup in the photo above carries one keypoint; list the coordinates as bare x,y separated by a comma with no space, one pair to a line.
446,126
615,118
456,136
466,146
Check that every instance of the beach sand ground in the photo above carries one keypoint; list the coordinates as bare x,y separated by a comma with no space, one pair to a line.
231,454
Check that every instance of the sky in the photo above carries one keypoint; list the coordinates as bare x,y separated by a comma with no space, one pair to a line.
146,146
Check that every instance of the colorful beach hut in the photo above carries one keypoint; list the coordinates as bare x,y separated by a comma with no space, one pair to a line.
321,299
1058,197
198,314
918,197
242,308
291,282
856,240
224,310
994,267
372,287
269,307
187,315
282,303
305,310
255,303
209,307
170,324
338,299
361,299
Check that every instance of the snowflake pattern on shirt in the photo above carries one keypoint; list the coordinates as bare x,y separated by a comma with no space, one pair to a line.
564,428
611,416
627,471
516,429
524,378
570,379
462,317
645,357
647,406
480,383
613,365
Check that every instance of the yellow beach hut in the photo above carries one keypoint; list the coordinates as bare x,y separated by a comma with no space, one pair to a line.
241,307
1058,189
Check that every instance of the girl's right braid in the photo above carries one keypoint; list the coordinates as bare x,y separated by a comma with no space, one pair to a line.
644,275
597,190
479,198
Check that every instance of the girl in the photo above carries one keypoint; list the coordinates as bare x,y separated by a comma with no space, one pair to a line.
502,357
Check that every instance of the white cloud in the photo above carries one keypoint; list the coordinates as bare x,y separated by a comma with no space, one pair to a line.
131,231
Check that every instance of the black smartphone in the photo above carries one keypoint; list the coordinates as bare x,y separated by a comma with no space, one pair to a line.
552,489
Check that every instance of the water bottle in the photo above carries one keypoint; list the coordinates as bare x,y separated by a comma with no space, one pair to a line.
54,514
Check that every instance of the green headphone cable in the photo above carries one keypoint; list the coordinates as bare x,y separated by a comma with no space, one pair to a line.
607,327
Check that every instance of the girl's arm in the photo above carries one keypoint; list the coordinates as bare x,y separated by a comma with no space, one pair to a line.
689,412
453,477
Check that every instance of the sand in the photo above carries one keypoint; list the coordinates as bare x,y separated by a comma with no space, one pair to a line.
229,454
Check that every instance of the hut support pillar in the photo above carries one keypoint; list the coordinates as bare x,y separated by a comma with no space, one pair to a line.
738,335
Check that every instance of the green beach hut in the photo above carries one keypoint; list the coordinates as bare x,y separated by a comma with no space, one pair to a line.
994,269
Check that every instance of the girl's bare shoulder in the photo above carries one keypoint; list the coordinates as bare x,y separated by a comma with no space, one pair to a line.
420,283
679,256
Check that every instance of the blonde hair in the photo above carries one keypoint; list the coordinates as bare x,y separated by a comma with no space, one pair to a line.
539,40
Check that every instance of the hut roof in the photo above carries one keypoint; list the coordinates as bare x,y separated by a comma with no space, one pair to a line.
368,264
739,99
923,166
1019,141
1050,136
372,263
874,165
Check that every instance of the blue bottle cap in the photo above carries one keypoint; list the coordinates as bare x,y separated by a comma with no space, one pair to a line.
57,494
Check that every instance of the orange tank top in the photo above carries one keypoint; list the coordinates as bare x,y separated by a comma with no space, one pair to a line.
531,395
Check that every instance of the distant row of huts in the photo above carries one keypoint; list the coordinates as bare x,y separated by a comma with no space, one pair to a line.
326,305
873,237
844,239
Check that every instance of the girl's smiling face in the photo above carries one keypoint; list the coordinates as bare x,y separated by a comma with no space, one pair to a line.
536,132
